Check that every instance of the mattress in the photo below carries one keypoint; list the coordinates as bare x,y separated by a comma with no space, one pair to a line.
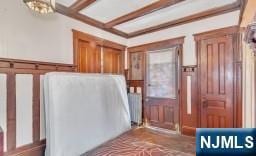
83,111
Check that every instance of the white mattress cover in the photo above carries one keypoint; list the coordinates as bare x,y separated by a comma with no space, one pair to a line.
83,111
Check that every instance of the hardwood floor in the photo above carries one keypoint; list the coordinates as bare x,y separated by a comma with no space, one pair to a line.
144,141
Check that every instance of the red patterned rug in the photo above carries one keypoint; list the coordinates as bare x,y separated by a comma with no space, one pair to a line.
128,145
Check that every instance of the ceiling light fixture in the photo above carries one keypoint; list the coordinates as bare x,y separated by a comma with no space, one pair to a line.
41,6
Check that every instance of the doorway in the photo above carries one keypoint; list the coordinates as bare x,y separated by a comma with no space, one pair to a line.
161,88
217,82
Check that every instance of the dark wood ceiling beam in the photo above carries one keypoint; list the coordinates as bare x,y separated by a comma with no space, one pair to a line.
81,4
191,18
143,11
83,18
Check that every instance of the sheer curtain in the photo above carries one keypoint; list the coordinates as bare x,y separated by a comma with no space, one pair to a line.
249,77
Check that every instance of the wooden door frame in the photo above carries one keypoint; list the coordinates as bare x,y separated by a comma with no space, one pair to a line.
81,36
164,44
178,78
233,31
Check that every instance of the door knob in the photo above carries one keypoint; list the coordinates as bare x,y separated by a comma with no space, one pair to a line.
204,103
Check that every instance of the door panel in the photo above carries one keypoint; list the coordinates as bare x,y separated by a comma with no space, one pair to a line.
112,61
161,89
216,63
89,61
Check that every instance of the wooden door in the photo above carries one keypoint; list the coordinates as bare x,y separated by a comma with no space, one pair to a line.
161,101
89,57
112,61
216,78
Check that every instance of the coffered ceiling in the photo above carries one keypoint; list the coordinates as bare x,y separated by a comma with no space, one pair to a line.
130,18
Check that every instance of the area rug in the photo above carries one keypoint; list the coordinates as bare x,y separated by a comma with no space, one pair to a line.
128,145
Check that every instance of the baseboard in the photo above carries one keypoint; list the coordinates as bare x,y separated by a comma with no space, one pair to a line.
35,149
190,131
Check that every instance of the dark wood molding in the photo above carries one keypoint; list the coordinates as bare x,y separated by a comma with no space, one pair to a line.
238,111
67,12
99,41
81,4
1,142
143,11
189,122
73,12
15,65
35,149
157,45
238,68
11,111
188,19
36,107
226,31
189,131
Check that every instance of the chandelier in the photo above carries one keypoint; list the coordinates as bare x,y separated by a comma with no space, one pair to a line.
41,6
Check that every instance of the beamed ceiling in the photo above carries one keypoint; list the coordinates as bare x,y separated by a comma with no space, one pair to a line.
131,18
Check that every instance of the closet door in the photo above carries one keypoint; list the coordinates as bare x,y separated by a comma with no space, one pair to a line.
89,60
216,77
112,61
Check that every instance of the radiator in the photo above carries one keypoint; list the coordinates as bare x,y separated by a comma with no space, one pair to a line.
135,104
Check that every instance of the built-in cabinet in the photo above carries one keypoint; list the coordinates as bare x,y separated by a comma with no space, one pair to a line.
89,57
96,55
112,60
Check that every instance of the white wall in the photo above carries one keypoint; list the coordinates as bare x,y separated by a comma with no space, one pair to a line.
187,30
25,34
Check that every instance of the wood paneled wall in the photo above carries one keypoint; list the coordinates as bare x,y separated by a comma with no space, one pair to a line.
12,69
189,118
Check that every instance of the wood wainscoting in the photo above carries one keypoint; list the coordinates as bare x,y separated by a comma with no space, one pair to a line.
189,100
15,74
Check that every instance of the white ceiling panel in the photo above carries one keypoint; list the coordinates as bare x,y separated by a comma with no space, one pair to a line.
107,10
66,3
177,11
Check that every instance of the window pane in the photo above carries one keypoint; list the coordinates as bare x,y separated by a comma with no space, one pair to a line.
162,74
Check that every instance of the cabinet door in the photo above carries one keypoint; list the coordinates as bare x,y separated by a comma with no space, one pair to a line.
112,61
89,60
